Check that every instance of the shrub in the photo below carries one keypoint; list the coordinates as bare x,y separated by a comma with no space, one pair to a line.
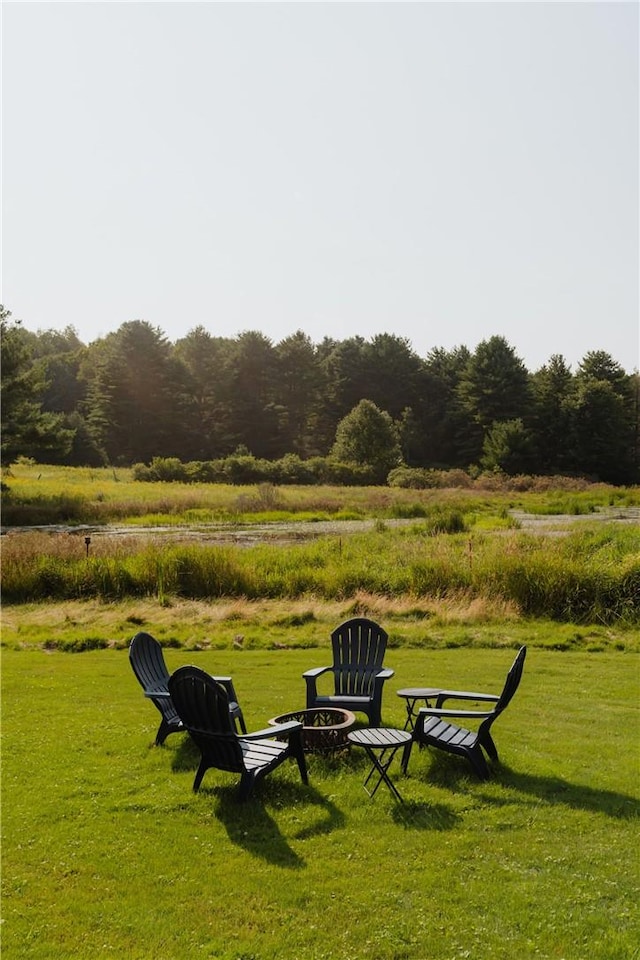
423,478
291,469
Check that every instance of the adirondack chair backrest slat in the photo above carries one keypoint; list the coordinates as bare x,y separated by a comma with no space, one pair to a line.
359,647
147,661
510,686
512,682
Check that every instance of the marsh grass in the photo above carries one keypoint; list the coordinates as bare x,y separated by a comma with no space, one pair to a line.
107,852
41,494
587,576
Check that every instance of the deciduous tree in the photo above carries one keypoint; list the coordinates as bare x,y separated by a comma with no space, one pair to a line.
368,436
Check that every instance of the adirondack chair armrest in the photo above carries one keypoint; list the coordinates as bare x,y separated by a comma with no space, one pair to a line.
384,674
278,730
311,680
435,712
157,694
315,672
465,695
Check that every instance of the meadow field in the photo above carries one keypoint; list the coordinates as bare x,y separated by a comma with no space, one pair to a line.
106,852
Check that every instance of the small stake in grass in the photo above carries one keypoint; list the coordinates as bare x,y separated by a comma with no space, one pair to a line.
87,543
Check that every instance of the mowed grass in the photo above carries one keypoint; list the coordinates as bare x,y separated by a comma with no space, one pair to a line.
108,853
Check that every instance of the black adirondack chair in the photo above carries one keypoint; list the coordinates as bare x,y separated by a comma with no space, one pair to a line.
359,647
147,660
203,706
434,728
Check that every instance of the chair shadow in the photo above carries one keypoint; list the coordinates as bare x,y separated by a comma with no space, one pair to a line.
452,774
186,755
249,824
579,796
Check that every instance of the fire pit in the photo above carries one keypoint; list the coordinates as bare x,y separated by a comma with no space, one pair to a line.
323,728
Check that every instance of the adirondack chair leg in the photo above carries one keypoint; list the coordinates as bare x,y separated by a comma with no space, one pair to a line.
202,769
478,762
302,764
406,754
246,786
487,742
163,732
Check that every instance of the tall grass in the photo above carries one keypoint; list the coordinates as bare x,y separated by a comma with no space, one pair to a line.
40,494
588,576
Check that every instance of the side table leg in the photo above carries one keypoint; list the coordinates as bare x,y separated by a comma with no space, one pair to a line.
408,724
381,768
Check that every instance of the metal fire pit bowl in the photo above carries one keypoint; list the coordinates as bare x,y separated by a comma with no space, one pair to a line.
323,729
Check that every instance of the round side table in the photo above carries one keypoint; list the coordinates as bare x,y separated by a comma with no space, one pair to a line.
387,741
413,695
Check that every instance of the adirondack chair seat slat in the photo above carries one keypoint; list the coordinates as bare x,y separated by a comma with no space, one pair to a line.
435,730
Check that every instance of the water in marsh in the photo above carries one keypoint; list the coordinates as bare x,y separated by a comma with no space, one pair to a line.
291,531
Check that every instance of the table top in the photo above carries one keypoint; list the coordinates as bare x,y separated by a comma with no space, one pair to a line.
379,737
419,692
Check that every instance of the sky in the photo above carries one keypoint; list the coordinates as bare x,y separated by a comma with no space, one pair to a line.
445,172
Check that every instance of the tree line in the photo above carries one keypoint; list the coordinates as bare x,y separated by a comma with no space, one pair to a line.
132,396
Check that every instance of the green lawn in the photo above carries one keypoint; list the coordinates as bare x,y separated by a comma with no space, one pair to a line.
108,853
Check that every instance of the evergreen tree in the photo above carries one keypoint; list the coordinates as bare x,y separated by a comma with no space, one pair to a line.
136,403
603,442
206,361
393,373
256,417
507,448
605,420
298,383
346,383
494,386
553,390
448,431
26,429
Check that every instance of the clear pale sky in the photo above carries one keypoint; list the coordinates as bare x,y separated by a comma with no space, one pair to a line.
441,171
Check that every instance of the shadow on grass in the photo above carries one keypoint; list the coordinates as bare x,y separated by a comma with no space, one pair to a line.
452,774
251,827
249,824
425,816
186,755
576,795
